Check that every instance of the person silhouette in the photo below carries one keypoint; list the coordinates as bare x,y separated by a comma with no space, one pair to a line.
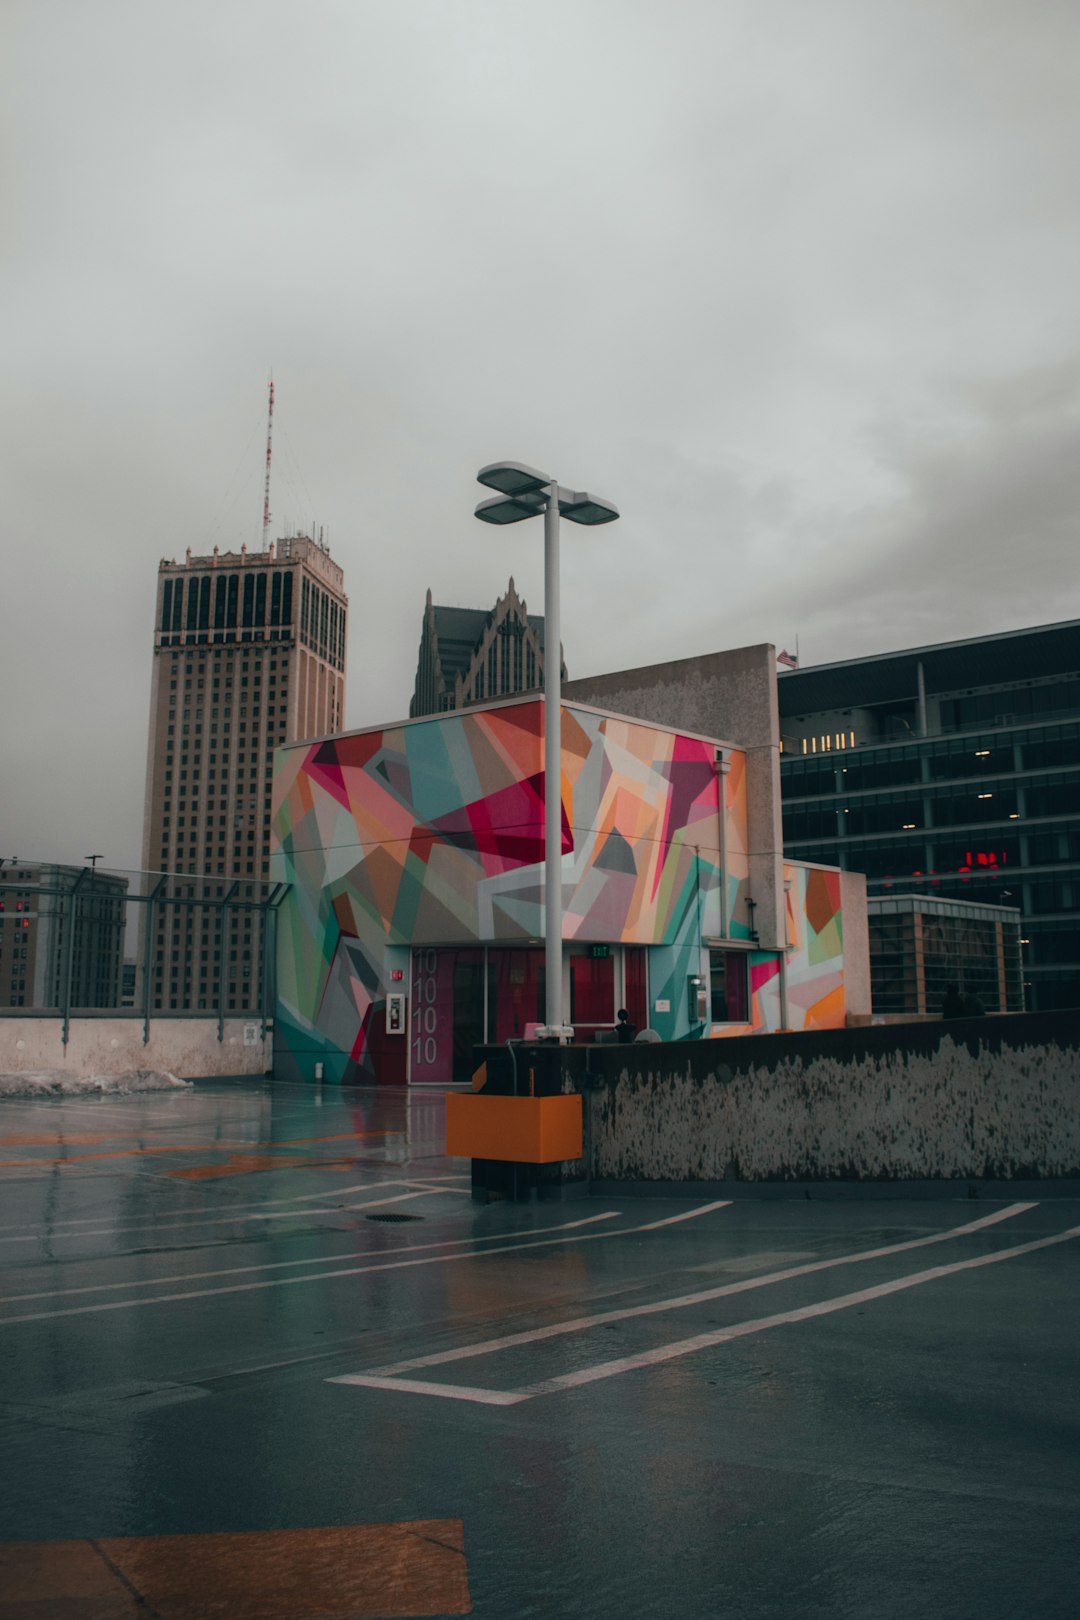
953,1005
624,1029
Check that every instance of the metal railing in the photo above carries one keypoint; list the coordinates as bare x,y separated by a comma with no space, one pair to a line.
88,941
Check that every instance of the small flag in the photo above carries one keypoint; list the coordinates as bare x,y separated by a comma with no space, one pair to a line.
787,658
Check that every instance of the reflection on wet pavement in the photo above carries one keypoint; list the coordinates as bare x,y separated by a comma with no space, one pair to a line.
626,1407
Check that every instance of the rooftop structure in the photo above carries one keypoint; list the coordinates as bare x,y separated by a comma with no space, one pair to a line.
413,925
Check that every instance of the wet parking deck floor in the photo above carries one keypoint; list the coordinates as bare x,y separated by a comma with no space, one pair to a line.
230,1388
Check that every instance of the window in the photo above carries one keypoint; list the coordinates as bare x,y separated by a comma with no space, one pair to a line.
802,822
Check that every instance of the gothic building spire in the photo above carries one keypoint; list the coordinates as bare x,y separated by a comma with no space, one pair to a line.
469,655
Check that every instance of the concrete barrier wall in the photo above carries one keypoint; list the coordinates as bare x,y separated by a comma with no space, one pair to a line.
986,1099
187,1047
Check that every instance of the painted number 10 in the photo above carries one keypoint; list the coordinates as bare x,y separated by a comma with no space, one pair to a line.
425,1012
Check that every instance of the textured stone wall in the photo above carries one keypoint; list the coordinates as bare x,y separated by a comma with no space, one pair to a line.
972,1099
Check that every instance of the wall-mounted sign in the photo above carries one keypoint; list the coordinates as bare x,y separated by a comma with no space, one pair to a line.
396,974
663,1006
598,952
251,1034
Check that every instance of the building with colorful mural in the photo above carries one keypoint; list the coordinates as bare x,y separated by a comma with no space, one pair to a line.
413,926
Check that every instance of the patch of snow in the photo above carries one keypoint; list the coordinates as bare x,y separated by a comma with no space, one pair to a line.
59,1083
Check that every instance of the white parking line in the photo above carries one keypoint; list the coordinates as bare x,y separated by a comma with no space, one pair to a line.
180,1218
689,1215
284,1265
184,1218
448,1392
321,1276
825,1307
700,1341
438,1187
371,1203
187,1225
335,1192
681,1301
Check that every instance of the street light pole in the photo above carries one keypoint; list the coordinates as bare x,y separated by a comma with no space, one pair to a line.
525,493
553,1017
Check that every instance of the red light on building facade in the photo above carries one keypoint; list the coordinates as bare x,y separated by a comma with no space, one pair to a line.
980,859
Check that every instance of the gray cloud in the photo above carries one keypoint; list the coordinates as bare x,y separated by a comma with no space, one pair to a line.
980,535
793,285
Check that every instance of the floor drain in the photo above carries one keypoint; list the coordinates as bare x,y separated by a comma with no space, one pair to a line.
393,1216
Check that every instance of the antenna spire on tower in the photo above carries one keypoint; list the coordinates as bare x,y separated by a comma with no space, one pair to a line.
269,442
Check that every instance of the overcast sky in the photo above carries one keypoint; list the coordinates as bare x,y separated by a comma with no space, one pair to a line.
793,282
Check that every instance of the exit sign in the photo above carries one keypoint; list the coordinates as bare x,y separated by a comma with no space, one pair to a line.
598,952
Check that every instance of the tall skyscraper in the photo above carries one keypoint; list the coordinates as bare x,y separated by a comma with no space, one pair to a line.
249,653
472,655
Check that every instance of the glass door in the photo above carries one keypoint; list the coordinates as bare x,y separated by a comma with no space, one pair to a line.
447,1014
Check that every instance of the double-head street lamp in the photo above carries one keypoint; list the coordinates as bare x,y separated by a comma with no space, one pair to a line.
525,493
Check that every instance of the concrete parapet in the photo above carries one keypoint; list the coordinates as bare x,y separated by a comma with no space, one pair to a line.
106,1046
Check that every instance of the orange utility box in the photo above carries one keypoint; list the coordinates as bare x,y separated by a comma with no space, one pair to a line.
522,1130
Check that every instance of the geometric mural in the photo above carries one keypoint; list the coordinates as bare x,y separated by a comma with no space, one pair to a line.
814,964
431,833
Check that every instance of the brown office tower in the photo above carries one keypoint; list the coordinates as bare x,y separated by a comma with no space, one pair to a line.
249,653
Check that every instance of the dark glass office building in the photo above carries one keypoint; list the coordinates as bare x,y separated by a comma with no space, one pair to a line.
951,770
